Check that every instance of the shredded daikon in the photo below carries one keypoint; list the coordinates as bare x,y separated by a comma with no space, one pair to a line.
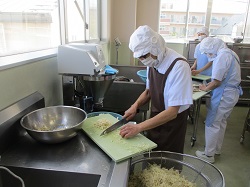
102,123
50,128
155,176
43,128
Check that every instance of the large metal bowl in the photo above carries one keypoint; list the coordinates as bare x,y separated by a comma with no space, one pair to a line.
54,124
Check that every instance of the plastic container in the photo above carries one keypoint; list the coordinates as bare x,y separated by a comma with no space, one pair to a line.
93,114
142,74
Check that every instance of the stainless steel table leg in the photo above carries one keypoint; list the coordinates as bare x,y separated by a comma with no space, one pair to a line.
191,113
245,127
197,104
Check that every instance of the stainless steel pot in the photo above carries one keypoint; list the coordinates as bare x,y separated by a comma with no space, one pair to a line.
54,124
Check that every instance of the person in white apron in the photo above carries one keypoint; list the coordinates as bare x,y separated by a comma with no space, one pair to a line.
168,88
225,91
201,65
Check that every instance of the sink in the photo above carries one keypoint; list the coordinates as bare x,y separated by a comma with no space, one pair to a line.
72,163
76,162
46,178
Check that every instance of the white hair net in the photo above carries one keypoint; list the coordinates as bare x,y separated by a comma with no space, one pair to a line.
203,30
144,40
211,45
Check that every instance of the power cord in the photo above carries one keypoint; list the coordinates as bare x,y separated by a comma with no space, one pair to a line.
14,175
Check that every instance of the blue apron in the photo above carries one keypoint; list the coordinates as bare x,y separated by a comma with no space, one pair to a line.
202,60
216,96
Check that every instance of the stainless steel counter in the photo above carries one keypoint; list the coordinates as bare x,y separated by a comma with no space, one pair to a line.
79,159
79,155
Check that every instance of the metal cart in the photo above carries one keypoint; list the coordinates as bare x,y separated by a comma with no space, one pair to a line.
245,127
197,97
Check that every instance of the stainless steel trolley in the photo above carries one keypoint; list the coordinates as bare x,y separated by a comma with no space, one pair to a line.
197,97
246,126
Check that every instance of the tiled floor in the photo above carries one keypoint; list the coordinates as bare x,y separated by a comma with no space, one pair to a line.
234,162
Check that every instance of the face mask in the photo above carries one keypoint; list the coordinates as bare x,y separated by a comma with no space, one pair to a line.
211,57
201,37
150,62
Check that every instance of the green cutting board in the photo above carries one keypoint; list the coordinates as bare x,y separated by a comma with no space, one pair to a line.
113,144
201,77
198,95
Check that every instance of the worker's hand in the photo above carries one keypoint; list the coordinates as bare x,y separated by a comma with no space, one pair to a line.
202,87
195,72
130,113
129,130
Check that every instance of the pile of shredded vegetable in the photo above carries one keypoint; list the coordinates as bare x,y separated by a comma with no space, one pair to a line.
96,124
155,176
51,128
43,128
102,123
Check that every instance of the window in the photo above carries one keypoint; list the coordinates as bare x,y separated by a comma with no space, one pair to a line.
75,21
82,20
93,20
223,17
32,25
162,27
228,18
163,15
174,9
184,26
28,25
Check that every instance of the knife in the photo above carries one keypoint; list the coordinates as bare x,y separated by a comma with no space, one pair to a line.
114,126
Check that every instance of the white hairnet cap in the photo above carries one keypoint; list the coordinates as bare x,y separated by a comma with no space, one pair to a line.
203,30
144,40
211,45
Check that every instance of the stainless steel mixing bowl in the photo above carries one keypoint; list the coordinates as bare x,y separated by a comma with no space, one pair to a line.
54,124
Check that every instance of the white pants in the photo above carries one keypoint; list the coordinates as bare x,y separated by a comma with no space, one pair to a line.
214,134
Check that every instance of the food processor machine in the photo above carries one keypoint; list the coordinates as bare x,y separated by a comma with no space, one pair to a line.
86,76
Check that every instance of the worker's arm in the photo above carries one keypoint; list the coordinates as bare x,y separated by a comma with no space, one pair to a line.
198,71
142,99
193,67
210,86
130,130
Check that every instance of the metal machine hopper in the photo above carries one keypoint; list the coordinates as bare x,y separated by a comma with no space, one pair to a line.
84,65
